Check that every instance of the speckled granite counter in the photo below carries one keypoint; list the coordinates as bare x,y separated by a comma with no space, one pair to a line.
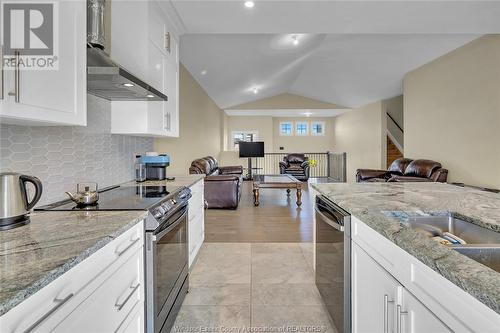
372,202
34,255
187,181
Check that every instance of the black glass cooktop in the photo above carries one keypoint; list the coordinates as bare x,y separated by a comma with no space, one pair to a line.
139,197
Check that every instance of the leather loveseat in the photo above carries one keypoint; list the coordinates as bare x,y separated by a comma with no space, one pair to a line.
222,184
296,165
405,170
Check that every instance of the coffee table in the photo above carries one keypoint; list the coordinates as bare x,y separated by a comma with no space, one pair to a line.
287,182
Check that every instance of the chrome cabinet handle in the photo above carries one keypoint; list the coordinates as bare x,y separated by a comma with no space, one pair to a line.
17,77
59,302
119,253
1,71
386,313
120,306
167,41
399,313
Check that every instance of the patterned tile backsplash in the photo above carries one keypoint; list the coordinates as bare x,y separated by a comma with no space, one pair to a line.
62,156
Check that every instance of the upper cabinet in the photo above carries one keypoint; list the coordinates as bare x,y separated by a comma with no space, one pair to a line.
46,95
144,42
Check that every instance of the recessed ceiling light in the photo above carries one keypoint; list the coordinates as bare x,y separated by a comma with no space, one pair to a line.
295,40
255,90
204,72
150,96
307,114
128,85
249,4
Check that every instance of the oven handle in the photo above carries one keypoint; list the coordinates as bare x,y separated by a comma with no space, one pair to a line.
172,226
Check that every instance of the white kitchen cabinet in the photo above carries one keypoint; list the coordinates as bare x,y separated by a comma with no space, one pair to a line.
416,318
428,301
196,217
52,97
374,294
109,306
154,59
87,293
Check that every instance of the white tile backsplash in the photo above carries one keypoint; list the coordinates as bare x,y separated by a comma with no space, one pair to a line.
62,156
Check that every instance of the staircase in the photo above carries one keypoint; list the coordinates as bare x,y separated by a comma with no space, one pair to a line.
392,152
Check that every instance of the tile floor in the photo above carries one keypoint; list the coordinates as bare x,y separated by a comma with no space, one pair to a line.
253,287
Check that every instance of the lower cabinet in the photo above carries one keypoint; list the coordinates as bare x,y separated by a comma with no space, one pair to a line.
382,304
103,293
196,215
107,309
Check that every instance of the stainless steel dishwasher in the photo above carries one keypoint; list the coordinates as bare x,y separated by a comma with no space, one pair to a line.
333,261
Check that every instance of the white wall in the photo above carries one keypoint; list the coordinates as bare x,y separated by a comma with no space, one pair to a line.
452,112
361,133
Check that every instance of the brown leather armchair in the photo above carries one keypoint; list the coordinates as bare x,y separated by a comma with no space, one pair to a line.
296,165
222,184
405,170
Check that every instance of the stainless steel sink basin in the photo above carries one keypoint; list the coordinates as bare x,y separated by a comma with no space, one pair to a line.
469,232
486,255
483,245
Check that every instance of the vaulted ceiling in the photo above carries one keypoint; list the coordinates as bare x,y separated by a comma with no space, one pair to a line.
348,52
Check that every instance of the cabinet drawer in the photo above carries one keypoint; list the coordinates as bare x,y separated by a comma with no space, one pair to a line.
109,306
46,308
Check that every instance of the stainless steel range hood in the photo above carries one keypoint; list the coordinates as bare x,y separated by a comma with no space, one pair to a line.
106,78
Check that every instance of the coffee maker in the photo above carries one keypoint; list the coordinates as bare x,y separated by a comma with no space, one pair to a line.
151,166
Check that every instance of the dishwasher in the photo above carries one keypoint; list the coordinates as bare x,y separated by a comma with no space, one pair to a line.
333,261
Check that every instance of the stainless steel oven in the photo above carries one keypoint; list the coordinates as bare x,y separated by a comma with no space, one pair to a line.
166,270
333,261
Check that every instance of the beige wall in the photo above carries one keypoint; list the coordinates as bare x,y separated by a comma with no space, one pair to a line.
201,123
452,112
394,107
361,134
286,101
303,144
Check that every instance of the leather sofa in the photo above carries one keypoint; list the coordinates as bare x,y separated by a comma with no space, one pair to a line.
296,165
405,170
222,184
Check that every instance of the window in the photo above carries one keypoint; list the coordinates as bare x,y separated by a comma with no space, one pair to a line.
301,128
285,128
318,128
247,136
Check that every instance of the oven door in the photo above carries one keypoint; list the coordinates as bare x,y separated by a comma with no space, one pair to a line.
166,267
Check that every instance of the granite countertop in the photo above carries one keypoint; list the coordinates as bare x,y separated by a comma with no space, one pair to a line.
34,255
384,206
187,180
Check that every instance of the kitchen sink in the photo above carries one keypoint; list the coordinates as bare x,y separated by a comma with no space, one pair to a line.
469,232
482,244
486,255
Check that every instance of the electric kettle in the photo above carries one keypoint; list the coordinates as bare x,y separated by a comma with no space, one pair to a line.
14,201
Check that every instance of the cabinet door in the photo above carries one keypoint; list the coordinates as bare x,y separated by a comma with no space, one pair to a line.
414,317
374,292
172,106
53,96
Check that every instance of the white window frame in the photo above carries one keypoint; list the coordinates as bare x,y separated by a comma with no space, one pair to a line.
255,134
291,128
301,123
322,123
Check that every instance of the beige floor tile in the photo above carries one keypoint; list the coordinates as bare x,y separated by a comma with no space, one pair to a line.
228,294
275,248
281,269
224,270
296,316
308,252
285,294
203,318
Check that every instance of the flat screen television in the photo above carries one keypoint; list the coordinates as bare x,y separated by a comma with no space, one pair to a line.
251,149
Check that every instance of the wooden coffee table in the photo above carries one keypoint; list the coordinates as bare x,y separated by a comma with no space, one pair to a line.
287,182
